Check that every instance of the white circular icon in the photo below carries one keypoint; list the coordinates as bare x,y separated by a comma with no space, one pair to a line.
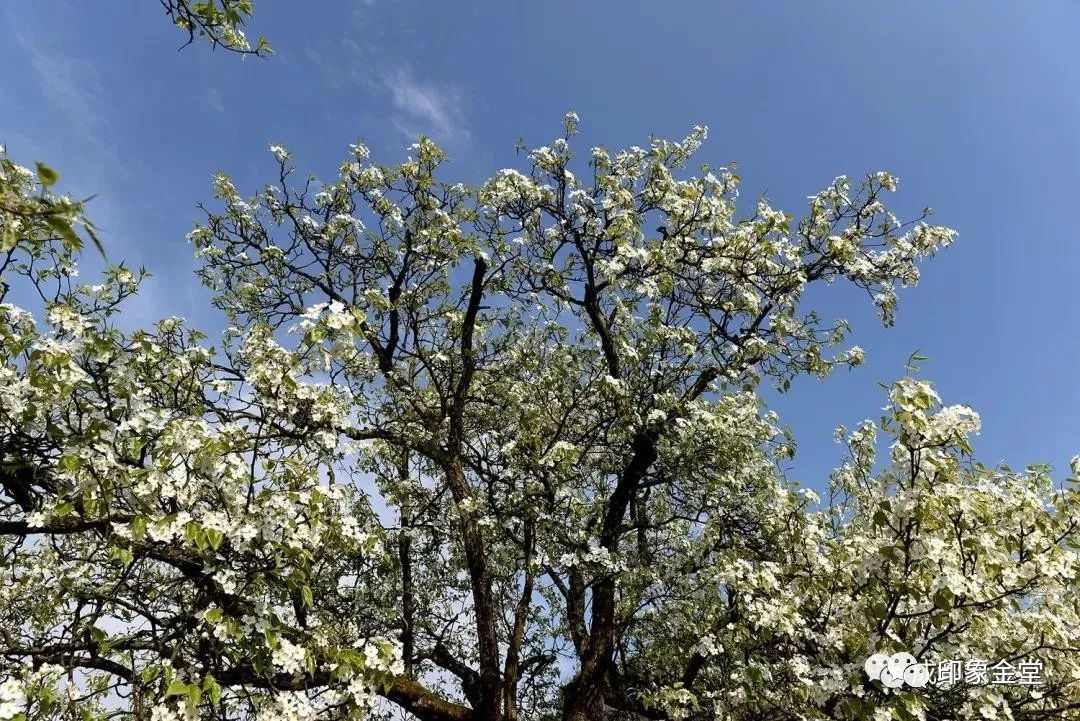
896,670
875,665
899,662
917,675
890,681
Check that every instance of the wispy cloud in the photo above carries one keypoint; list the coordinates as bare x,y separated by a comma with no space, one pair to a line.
73,88
362,13
71,84
428,109
417,106
215,101
75,134
81,144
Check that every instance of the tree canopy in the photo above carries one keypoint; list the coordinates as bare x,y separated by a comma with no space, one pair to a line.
497,452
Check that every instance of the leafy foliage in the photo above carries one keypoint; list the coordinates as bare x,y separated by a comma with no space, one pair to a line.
219,22
31,215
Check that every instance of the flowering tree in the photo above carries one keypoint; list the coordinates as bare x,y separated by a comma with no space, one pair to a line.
934,554
496,453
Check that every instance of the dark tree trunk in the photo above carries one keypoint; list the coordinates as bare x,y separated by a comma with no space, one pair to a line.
408,603
583,700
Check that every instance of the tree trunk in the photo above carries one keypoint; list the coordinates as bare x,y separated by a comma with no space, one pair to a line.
408,644
583,700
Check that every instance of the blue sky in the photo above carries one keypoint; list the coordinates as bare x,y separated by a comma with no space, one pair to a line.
974,105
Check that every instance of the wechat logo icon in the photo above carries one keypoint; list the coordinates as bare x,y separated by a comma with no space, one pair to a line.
896,670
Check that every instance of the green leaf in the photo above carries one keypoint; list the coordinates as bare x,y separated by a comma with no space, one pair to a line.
194,696
194,534
68,464
176,688
62,227
47,175
215,538
90,230
212,689
10,238
305,594
943,599
118,553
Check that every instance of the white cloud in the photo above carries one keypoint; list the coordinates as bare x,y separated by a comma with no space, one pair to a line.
71,84
215,101
362,13
80,145
428,109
